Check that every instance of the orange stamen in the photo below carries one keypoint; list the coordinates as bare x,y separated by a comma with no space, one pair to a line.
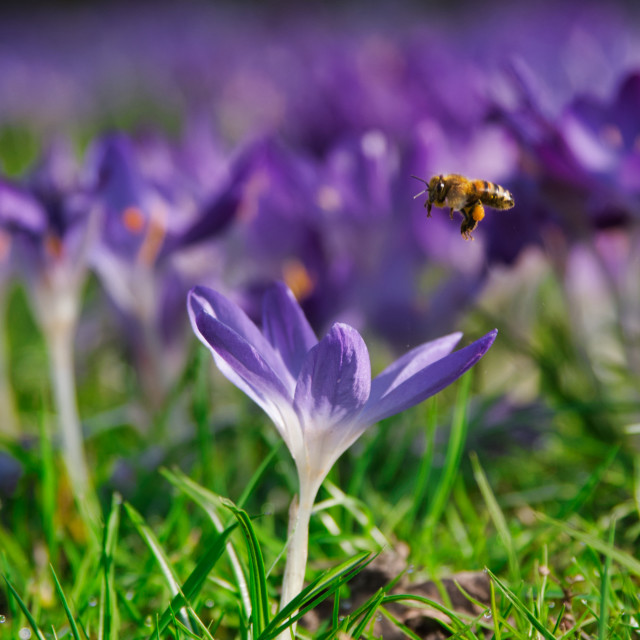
297,278
133,219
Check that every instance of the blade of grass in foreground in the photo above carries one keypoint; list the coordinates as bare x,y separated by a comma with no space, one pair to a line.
257,574
313,594
453,457
194,582
109,619
27,614
604,588
210,502
72,622
159,554
521,608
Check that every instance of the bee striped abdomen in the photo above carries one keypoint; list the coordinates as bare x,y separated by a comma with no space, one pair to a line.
493,195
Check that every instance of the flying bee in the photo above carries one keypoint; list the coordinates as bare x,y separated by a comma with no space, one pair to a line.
467,196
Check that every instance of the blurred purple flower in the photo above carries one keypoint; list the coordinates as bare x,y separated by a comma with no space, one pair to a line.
52,216
586,160
154,212
319,395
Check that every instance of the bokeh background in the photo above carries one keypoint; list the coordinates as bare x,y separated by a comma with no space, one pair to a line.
146,148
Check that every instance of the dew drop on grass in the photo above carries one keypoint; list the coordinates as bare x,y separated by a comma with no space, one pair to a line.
92,602
148,622
209,604
410,569
129,595
24,633
487,615
2,619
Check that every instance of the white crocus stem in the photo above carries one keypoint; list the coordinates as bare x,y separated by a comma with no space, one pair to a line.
57,308
299,517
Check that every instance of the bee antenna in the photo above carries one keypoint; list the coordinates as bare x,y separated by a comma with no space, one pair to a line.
424,190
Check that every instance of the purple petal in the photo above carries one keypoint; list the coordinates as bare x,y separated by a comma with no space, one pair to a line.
411,363
218,212
124,195
426,382
243,365
286,327
335,380
230,314
19,210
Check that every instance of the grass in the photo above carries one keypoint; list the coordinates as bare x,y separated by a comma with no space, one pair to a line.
538,497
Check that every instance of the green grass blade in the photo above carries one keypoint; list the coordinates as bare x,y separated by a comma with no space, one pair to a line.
49,487
454,454
196,579
369,611
622,558
108,628
210,502
604,588
158,553
257,575
72,622
335,613
521,608
399,625
27,613
409,597
497,516
313,594
497,632
426,461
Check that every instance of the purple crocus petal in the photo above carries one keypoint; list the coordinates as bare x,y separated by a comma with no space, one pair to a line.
203,299
335,380
123,194
426,382
286,327
242,364
411,363
19,210
219,210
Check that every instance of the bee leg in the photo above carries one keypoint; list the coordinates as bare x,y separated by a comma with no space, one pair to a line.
472,216
451,213
427,204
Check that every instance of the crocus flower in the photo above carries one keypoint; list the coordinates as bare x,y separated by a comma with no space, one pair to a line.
319,394
153,214
51,217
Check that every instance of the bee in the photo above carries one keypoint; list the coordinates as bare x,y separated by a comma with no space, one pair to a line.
467,196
